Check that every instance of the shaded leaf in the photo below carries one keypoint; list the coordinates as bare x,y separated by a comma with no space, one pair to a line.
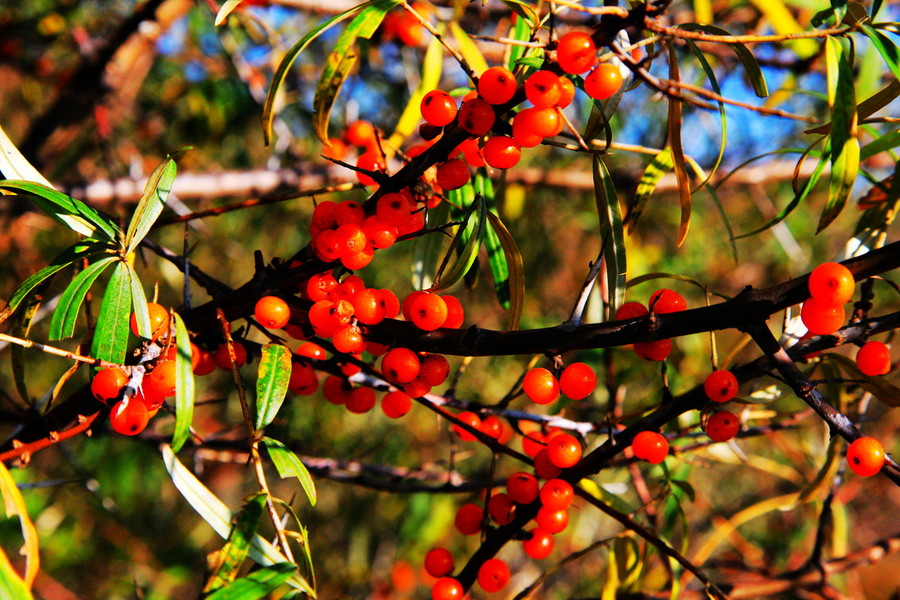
288,60
15,505
62,325
515,270
216,514
73,214
113,323
463,248
685,487
678,163
612,233
867,107
887,141
230,558
751,66
184,385
341,61
139,306
878,386
257,584
521,31
272,382
289,464
496,256
152,202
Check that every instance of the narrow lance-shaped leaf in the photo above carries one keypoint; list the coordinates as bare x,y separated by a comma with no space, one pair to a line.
139,306
62,324
684,186
885,47
751,66
227,8
468,49
521,30
783,22
611,233
427,249
844,144
218,516
409,119
473,232
723,121
151,204
496,255
73,214
289,464
11,585
111,336
230,558
515,268
257,584
184,385
659,166
342,60
272,382
288,60
15,505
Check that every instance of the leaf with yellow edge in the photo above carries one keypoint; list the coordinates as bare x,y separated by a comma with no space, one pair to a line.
11,585
783,22
678,163
468,49
516,269
825,476
15,505
227,8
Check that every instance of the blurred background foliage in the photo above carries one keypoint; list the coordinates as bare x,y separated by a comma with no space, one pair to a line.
111,524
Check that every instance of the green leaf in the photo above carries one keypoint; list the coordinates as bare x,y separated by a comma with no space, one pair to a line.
226,9
515,270
72,213
496,256
289,464
272,382
113,322
229,559
723,127
886,142
685,487
843,175
612,233
464,247
15,505
521,31
468,49
885,47
427,249
11,585
844,145
659,166
751,66
288,60
62,325
13,165
678,160
257,584
151,204
67,257
139,306
184,385
216,514
342,60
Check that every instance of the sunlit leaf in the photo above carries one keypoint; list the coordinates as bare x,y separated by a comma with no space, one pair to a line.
216,514
723,127
288,60
887,141
658,167
226,9
272,382
113,321
430,79
783,22
15,505
257,584
73,214
184,385
341,61
13,165
230,558
468,49
496,256
612,233
886,48
289,464
521,31
11,585
867,107
151,204
844,144
62,325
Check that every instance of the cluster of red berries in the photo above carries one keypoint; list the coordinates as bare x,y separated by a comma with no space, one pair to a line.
831,285
576,382
402,26
721,386
661,302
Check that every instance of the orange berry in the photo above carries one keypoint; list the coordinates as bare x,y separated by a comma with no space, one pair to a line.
578,381
665,301
497,85
452,174
360,134
650,446
865,456
438,108
656,350
874,358
576,52
540,386
542,88
603,82
471,419
272,312
831,283
159,321
721,386
822,318
428,312
501,152
108,383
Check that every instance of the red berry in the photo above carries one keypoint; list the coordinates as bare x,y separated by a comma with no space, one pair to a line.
865,456
822,318
497,85
564,450
428,311
666,301
161,380
544,467
501,508
368,306
552,521
650,446
321,286
543,122
493,575
223,357
395,404
452,174
578,381
874,358
631,310
369,161
501,152
539,545
603,82
468,519
400,365
722,426
360,133
557,494
831,283
522,487
540,386
476,116
108,383
272,312
656,350
542,88
348,339
311,350
576,52
567,91
447,588
439,562
360,400
721,386
336,390
455,312
438,108
434,369
129,416
159,321
471,419
303,380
